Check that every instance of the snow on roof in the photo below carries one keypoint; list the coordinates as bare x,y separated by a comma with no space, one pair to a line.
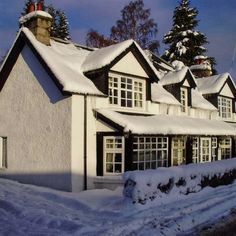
200,57
168,125
212,84
159,94
204,66
198,101
65,59
33,14
174,77
104,56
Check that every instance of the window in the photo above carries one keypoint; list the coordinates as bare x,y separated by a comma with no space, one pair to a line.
225,107
113,155
225,148
184,99
178,151
150,152
195,149
3,152
126,92
214,148
205,148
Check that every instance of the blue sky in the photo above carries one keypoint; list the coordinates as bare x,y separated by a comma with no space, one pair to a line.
217,21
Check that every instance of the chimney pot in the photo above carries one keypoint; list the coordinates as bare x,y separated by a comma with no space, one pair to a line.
39,6
31,7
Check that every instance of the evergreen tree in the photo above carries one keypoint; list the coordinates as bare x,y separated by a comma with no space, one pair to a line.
62,26
185,42
52,11
135,24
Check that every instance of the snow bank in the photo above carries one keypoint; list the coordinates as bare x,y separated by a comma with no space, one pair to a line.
33,14
143,186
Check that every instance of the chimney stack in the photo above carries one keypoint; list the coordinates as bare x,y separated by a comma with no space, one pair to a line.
38,22
201,67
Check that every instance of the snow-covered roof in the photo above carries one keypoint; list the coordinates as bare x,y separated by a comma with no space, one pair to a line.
212,84
33,14
167,125
201,67
64,60
104,56
159,94
174,77
198,101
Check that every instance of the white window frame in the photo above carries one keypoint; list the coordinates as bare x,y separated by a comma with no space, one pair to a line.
150,152
214,144
134,90
184,99
225,146
113,150
179,146
204,151
225,107
195,150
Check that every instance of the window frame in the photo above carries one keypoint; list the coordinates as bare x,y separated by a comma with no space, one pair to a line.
120,90
208,149
3,152
184,99
150,147
180,149
225,107
227,147
113,151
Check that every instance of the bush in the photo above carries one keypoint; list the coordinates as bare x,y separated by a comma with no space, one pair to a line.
143,186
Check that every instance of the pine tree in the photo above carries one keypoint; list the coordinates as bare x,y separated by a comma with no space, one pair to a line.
185,42
52,11
62,26
135,24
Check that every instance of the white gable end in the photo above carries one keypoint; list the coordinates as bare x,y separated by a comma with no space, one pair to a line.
186,83
129,64
226,91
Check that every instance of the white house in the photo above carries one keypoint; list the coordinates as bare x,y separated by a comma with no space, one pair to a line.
74,118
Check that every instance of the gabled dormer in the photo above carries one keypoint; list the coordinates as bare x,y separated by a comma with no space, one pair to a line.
179,83
124,73
220,90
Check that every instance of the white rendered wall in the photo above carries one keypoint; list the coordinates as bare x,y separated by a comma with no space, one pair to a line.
226,91
129,65
36,119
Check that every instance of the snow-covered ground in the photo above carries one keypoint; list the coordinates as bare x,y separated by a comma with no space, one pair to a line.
30,210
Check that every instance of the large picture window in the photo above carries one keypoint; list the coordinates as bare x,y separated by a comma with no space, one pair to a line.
150,152
126,91
113,155
225,107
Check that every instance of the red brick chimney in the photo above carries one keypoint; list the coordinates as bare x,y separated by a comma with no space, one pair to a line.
201,67
38,21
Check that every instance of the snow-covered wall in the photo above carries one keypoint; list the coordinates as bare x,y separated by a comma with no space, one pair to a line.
36,119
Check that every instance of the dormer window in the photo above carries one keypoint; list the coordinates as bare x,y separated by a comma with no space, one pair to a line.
225,107
126,91
184,99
